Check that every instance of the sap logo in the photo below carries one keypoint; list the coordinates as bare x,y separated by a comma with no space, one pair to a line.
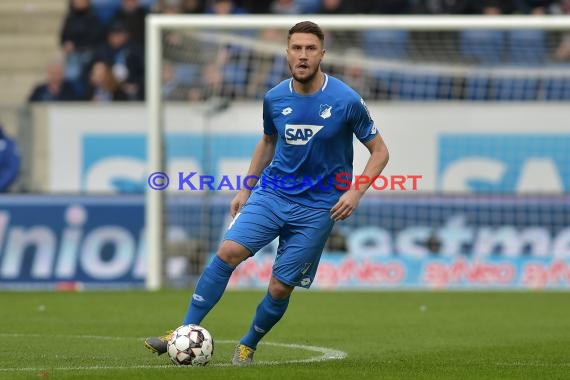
300,134
504,163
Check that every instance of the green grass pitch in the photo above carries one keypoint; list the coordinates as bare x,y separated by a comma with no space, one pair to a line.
385,335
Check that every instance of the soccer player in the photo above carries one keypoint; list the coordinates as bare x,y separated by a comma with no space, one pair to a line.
308,125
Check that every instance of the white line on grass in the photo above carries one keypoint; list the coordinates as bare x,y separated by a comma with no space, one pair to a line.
532,364
325,354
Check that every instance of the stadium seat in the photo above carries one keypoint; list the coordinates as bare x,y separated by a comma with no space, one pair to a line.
516,89
477,87
448,88
484,46
278,72
557,89
392,44
418,86
235,77
188,74
309,6
235,73
387,83
527,47
408,86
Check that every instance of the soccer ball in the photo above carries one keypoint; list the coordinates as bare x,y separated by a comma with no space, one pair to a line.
190,345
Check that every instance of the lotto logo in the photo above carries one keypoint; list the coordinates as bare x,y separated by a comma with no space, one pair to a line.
300,134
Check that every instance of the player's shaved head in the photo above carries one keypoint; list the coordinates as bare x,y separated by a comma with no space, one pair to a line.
307,27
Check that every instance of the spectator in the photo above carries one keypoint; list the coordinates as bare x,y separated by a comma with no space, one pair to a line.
309,6
81,33
391,7
562,52
103,86
132,14
175,42
285,7
169,7
178,88
333,7
224,7
9,161
338,39
193,6
436,7
256,6
494,7
378,6
55,88
561,8
533,7
126,60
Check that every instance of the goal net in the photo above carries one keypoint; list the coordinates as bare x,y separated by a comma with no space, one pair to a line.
206,77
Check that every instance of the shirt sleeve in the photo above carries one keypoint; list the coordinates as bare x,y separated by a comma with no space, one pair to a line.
362,124
9,165
268,125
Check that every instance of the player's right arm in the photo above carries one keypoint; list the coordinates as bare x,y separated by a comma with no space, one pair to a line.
262,156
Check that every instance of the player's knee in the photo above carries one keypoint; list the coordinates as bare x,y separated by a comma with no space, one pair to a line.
232,253
279,290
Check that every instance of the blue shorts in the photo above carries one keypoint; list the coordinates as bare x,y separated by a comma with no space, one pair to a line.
302,231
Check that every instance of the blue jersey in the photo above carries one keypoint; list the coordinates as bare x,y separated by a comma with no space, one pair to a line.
314,143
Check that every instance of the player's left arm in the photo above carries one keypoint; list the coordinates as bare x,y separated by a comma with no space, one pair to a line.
377,161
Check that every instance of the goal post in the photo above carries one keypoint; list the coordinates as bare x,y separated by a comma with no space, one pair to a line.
155,103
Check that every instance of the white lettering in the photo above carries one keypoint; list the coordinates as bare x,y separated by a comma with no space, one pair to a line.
120,261
539,175
457,175
41,239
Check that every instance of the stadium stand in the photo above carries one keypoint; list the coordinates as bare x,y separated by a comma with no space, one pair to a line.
30,30
483,46
28,41
527,47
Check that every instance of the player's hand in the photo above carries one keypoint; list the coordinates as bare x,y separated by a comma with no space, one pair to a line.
238,202
346,205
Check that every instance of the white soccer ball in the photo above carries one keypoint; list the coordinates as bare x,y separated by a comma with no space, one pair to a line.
191,345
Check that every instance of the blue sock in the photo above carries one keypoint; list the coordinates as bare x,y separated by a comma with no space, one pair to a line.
209,290
268,313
